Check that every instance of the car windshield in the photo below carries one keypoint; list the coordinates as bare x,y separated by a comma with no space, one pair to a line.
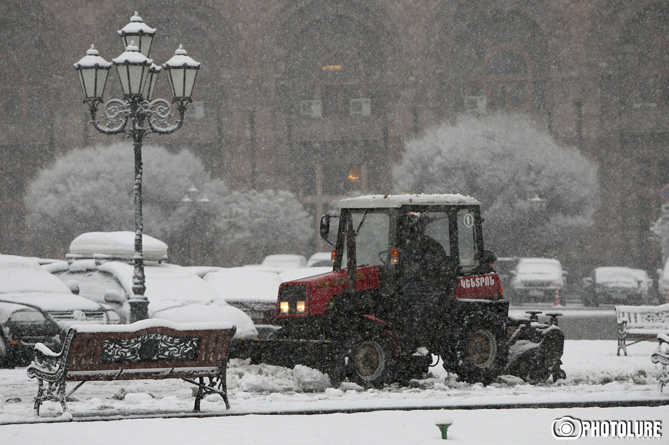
614,275
163,282
27,277
538,268
92,284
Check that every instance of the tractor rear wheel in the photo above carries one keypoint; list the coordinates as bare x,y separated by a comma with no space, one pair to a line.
481,349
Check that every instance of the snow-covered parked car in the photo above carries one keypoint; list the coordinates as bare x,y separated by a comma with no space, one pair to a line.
537,279
175,293
285,261
252,290
617,285
36,307
320,259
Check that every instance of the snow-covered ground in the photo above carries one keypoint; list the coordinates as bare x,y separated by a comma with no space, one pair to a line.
301,395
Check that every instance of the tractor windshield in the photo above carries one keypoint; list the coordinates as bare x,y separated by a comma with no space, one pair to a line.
372,230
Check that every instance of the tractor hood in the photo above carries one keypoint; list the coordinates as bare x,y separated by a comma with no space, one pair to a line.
313,294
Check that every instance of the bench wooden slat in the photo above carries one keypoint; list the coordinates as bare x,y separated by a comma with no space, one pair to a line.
150,349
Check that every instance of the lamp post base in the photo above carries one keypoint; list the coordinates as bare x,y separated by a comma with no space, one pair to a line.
139,308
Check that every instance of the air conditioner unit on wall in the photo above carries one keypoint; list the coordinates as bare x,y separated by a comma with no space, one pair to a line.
360,107
476,104
310,108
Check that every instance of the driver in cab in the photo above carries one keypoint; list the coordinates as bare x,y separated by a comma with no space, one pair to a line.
425,262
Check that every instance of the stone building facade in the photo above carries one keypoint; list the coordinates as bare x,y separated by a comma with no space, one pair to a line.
318,96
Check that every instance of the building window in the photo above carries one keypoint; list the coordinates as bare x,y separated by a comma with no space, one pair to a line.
506,81
500,62
339,79
644,57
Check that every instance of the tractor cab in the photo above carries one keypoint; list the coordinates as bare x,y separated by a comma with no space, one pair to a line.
418,242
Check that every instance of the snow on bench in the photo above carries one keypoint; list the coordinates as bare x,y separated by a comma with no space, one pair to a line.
639,323
147,349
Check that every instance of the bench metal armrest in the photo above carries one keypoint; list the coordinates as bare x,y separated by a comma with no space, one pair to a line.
47,364
622,328
662,338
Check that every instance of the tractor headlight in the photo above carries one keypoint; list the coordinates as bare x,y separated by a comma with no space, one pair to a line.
292,299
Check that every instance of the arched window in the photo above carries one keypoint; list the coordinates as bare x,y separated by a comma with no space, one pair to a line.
334,61
500,60
339,78
507,80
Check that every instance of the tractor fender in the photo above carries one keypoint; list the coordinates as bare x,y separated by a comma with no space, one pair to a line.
388,332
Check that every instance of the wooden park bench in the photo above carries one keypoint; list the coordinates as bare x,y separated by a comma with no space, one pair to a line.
147,349
639,323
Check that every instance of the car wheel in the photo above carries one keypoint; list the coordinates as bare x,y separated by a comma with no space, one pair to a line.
370,361
481,349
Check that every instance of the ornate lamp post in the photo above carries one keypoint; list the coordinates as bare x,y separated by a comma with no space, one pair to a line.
136,114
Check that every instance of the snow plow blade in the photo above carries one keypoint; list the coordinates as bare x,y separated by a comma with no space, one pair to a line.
535,354
317,354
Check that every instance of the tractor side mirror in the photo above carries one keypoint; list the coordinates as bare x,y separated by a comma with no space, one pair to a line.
325,228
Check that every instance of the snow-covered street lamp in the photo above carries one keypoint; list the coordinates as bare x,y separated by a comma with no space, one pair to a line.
136,114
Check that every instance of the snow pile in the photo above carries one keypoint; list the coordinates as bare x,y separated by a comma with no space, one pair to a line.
310,380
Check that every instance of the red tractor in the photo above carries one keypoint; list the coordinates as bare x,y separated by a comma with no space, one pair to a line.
410,280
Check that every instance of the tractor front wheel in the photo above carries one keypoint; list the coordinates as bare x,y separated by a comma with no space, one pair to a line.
370,361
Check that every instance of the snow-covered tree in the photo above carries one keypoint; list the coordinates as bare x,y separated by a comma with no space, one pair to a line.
256,224
92,190
504,161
